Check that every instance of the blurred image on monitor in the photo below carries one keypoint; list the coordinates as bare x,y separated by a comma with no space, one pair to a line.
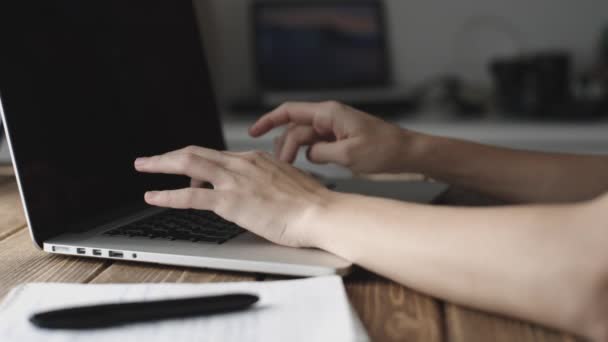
320,45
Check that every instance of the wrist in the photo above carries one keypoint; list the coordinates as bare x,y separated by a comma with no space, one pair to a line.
415,149
314,222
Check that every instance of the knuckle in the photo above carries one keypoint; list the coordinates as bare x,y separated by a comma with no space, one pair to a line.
286,105
332,106
229,180
188,197
253,156
261,156
249,156
186,161
291,127
241,163
349,156
190,149
223,204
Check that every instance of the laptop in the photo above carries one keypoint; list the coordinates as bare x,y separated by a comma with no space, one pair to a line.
88,86
5,157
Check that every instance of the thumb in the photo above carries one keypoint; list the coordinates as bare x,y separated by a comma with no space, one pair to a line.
329,152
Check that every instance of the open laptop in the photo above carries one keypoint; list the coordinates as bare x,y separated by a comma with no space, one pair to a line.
88,86
5,156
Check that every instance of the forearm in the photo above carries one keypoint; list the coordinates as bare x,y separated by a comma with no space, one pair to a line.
538,263
518,176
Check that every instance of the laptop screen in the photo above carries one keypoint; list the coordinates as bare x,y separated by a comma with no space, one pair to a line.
305,45
88,86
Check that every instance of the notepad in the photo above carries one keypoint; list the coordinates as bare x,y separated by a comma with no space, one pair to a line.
314,309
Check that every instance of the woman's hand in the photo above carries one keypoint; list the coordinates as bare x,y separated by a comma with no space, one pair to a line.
336,133
270,198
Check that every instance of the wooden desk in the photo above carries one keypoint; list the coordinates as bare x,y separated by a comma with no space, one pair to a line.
389,311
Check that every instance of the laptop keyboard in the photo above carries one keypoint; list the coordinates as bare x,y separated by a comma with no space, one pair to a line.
183,225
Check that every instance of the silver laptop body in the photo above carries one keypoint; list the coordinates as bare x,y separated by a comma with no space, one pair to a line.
87,86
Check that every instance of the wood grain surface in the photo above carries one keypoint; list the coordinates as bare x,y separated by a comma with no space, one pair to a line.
470,325
389,311
11,210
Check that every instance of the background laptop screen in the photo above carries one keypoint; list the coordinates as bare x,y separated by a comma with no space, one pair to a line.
312,44
87,86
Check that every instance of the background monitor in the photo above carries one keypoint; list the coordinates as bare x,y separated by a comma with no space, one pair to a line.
307,45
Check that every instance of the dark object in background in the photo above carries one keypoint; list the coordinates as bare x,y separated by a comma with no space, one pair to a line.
458,101
254,106
535,86
323,50
320,45
603,47
594,82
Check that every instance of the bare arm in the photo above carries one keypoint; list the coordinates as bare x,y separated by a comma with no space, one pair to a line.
548,264
335,133
518,176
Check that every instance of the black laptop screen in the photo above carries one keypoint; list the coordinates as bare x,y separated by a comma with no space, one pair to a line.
87,86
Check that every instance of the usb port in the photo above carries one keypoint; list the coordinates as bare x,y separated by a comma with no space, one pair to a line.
97,252
81,251
115,254
61,249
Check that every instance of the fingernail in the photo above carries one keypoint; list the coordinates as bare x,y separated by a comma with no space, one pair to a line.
151,195
140,161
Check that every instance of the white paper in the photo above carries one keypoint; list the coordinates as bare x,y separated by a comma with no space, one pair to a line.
314,309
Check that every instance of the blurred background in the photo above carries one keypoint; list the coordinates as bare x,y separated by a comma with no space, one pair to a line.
524,74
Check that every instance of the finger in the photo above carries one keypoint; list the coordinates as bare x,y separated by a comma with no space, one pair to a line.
296,137
213,155
190,165
277,146
302,113
195,183
279,141
189,198
330,152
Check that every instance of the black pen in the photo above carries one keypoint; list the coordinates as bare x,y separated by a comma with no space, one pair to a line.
110,315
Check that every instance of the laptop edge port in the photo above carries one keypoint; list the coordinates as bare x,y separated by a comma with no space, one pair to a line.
97,252
113,254
81,251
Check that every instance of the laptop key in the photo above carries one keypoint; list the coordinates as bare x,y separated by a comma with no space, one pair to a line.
182,225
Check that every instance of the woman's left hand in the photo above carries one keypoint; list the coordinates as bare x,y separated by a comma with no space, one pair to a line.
270,198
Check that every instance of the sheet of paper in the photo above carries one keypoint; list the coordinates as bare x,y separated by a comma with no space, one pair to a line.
314,309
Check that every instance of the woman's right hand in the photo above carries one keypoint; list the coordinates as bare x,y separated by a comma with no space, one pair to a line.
336,133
